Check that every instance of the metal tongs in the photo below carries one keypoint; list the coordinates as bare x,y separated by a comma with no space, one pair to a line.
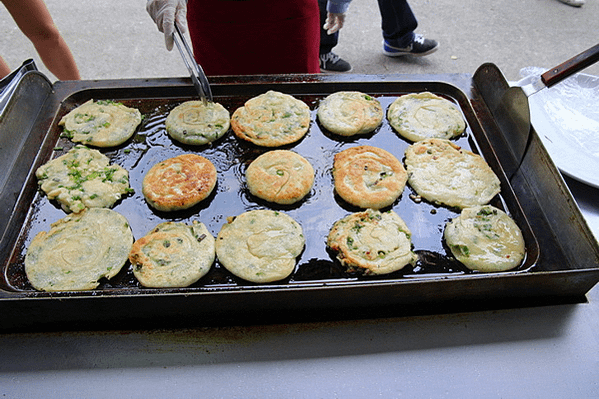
197,74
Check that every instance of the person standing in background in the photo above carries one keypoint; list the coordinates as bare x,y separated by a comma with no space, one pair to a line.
34,20
398,25
332,18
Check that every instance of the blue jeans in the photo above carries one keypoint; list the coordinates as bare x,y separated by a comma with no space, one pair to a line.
397,22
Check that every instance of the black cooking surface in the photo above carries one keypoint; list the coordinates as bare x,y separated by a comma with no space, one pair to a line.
316,213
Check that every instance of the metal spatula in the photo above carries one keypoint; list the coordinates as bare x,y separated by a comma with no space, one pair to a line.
197,74
514,108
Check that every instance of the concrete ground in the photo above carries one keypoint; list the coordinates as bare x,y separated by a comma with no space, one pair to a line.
116,39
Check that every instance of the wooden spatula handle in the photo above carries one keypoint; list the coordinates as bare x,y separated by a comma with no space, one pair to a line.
570,67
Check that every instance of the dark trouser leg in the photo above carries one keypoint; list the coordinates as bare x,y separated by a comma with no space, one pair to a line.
398,22
327,42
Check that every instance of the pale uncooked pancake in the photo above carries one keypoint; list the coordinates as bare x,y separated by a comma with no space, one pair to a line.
196,123
444,173
260,246
173,254
486,239
368,177
83,178
372,242
419,116
348,113
280,176
179,183
78,251
101,123
271,119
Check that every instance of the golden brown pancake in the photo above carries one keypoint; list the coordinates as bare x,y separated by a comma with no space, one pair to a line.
271,119
280,176
173,254
368,177
179,183
372,242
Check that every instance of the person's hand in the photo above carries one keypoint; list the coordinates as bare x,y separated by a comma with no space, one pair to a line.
334,22
165,13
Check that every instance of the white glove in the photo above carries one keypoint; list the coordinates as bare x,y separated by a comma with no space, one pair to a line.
165,13
334,22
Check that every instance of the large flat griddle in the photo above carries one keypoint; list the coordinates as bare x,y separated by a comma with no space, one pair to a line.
562,256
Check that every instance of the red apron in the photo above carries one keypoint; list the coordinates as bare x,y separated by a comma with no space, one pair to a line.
244,37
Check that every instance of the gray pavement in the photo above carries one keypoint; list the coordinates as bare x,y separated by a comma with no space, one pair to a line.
116,39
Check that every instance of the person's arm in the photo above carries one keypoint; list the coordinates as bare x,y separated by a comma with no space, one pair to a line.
35,21
4,68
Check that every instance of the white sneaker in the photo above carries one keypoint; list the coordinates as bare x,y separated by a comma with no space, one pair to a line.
573,3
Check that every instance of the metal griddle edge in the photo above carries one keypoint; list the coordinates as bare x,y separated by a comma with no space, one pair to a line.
569,253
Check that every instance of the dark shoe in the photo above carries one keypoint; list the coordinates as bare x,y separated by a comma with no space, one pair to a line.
418,48
331,62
